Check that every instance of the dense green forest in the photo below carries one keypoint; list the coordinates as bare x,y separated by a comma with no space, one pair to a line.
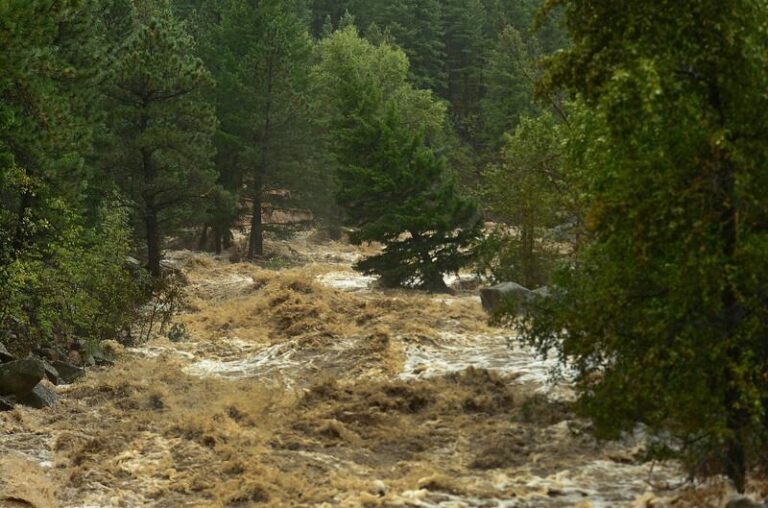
613,151
129,124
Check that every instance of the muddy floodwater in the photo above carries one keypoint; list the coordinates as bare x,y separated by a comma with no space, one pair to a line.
308,386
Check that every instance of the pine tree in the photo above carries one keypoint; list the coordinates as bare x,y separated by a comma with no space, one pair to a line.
510,75
398,193
260,55
346,64
62,248
466,46
416,26
161,128
327,13
664,313
393,186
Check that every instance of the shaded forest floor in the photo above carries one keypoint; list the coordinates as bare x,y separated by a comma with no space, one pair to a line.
305,386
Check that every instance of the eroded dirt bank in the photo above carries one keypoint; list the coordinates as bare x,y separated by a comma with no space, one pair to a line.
305,387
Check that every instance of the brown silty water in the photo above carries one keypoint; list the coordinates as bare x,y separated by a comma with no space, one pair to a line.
309,387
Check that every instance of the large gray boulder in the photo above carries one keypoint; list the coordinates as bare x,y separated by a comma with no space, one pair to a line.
19,377
51,373
40,397
494,296
68,373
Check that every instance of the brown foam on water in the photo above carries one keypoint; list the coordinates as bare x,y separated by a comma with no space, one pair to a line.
290,392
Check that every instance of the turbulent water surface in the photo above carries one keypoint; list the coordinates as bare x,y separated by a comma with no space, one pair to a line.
310,387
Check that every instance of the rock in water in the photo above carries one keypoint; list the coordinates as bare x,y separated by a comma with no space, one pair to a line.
6,404
101,358
68,373
744,502
494,296
19,377
40,397
5,355
51,373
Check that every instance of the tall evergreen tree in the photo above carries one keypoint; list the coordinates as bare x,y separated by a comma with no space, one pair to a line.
510,75
347,64
664,313
417,27
327,13
393,186
396,190
161,128
466,45
61,249
260,52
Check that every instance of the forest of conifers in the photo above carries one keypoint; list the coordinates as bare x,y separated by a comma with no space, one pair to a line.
615,151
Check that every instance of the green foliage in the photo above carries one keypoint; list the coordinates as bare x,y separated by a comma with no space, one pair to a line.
161,128
527,193
393,186
416,26
466,44
88,290
71,280
663,314
345,64
259,53
463,51
510,75
62,250
399,195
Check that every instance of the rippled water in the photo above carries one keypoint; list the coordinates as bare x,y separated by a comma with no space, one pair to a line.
539,482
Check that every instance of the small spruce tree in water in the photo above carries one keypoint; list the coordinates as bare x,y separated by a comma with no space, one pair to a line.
395,190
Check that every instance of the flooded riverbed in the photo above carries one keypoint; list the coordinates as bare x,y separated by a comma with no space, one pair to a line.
311,387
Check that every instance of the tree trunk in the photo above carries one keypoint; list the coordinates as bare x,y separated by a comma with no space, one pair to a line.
432,276
202,244
151,223
334,232
737,419
528,246
217,240
150,217
153,240
256,239
334,225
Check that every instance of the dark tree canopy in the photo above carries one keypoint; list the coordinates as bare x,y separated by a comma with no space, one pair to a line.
395,190
664,313
161,127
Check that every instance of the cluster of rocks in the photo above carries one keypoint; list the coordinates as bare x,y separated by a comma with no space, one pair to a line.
29,381
492,297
